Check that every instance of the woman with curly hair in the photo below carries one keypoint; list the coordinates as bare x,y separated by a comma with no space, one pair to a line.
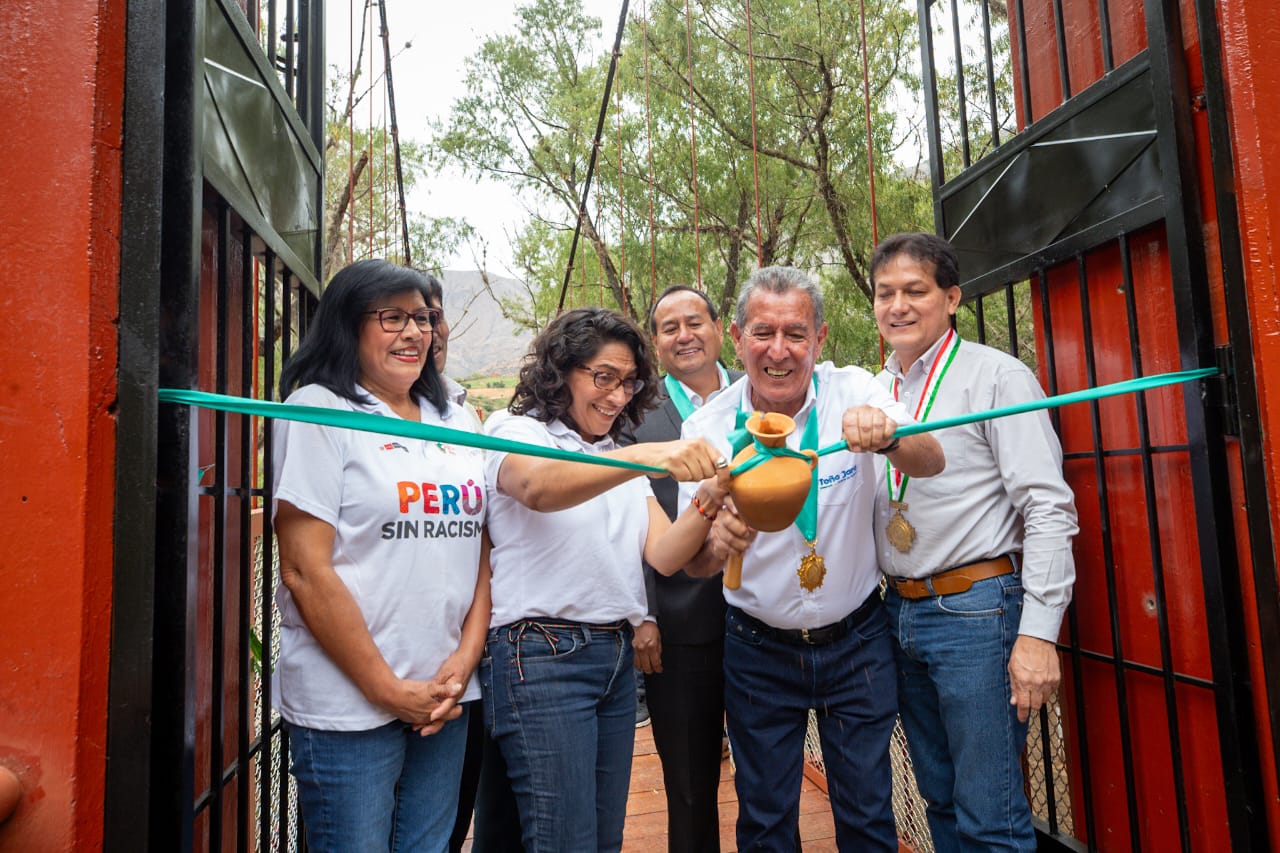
568,585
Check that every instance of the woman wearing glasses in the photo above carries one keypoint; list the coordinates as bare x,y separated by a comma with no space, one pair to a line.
383,605
567,585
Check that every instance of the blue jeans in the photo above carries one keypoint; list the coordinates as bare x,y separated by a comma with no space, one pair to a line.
383,789
561,703
963,735
770,685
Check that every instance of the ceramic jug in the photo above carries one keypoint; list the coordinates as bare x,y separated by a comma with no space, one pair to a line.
770,495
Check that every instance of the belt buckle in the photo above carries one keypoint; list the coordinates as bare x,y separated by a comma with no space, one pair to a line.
804,635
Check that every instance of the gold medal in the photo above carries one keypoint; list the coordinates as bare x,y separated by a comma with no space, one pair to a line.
813,569
899,531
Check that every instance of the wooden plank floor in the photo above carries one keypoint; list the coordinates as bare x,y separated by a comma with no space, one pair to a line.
646,829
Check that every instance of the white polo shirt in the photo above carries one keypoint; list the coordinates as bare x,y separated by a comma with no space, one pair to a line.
407,516
581,564
770,589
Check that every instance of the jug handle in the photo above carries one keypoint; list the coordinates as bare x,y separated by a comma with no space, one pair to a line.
813,458
733,572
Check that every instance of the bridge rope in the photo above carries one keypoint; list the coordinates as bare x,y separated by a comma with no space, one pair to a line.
648,133
595,148
693,142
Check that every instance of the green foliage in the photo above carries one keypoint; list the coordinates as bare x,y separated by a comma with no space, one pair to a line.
980,136
1008,322
362,217
529,116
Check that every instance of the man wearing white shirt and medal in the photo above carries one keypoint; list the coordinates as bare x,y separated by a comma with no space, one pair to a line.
807,627
978,559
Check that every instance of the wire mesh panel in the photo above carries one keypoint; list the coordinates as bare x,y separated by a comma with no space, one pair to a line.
244,797
908,805
1045,769
277,802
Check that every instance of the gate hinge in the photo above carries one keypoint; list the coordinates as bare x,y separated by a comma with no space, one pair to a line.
1224,393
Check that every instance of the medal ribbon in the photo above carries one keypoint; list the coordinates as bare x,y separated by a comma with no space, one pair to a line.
933,381
675,390
678,396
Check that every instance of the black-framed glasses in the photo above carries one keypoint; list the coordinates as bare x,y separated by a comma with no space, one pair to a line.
606,381
396,319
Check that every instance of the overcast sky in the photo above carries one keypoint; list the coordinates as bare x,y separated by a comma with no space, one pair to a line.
428,77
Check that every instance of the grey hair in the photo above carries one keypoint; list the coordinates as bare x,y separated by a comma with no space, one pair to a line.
779,280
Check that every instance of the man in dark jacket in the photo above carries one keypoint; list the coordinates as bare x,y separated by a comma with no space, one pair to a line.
681,653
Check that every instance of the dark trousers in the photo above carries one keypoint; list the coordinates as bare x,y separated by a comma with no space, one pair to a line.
686,705
470,777
771,682
486,790
497,828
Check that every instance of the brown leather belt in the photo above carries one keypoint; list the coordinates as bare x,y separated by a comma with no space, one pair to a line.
954,580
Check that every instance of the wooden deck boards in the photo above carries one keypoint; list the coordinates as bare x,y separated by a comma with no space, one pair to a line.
647,807
646,829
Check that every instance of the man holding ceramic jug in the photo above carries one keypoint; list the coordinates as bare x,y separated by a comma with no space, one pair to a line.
805,627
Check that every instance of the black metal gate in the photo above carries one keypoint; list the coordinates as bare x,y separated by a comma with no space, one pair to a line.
1076,214
223,198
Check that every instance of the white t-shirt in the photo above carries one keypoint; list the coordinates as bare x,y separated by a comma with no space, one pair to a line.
407,516
455,392
580,564
771,590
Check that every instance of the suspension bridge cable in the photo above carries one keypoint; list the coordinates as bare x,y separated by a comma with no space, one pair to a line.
866,98
693,142
395,133
596,225
382,172
648,133
871,157
595,148
622,211
755,165
369,136
351,130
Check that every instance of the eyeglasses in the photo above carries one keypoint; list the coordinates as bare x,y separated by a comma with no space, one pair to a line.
606,381
396,319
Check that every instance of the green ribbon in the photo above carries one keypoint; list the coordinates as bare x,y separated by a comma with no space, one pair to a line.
738,438
675,390
678,396
1129,386
366,422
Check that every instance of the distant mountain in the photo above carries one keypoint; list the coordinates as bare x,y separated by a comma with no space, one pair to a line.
481,340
